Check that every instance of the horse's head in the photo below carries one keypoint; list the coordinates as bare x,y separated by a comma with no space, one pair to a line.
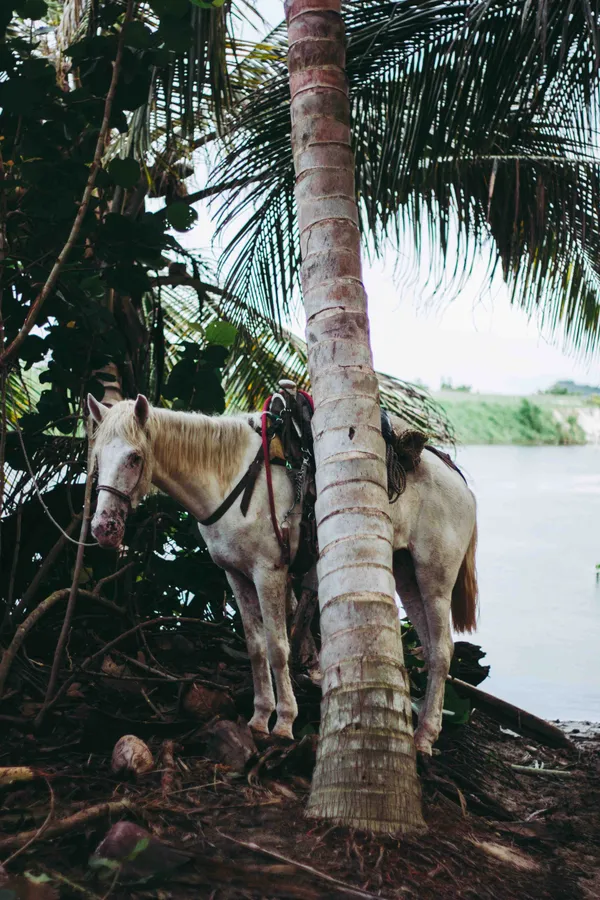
124,460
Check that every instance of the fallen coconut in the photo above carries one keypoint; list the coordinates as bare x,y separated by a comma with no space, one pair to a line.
130,853
131,755
204,703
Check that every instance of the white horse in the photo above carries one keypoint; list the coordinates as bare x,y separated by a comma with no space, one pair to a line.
197,460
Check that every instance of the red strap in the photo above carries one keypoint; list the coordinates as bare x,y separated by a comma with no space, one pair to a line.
265,445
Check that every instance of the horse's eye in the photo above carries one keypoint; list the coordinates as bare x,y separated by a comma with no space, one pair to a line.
135,459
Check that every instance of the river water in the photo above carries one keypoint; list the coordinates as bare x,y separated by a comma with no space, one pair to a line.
539,543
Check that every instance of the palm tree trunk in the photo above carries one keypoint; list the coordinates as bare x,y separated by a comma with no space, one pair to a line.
366,775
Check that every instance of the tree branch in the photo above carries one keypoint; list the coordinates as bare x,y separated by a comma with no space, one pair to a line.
85,524
113,577
7,354
205,193
71,823
34,616
46,565
188,281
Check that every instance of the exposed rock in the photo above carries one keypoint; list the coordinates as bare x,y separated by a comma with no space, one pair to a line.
229,743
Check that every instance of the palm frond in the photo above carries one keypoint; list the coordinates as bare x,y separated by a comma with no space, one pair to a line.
263,354
478,119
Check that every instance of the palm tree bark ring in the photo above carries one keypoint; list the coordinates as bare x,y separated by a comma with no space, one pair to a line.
366,775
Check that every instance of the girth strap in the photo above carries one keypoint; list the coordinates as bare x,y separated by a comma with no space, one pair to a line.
245,484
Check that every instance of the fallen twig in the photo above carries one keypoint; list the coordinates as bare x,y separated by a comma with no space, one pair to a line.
36,834
90,659
512,716
79,888
69,824
316,873
135,662
167,761
11,774
540,770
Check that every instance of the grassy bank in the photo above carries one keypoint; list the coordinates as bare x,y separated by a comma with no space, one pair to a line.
497,419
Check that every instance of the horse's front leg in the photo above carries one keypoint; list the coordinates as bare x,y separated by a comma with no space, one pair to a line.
271,585
249,607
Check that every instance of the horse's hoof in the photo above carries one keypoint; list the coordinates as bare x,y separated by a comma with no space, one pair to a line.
283,732
259,730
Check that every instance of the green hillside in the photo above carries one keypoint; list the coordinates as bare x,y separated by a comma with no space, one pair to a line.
498,419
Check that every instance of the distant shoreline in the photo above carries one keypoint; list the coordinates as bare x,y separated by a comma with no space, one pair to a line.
534,420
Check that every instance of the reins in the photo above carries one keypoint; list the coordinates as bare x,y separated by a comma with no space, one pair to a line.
248,480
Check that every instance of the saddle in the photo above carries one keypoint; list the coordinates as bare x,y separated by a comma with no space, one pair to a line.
287,440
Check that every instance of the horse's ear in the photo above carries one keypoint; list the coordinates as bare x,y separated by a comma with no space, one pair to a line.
142,410
97,410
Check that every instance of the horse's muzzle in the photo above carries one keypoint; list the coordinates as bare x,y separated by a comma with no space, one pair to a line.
108,529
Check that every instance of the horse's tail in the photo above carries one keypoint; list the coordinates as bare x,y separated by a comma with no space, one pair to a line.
464,592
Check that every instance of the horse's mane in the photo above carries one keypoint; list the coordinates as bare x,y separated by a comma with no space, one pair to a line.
179,440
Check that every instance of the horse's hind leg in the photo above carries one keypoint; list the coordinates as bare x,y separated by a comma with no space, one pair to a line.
436,591
410,595
249,607
271,585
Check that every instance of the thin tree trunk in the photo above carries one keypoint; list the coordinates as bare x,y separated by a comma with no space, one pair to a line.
366,775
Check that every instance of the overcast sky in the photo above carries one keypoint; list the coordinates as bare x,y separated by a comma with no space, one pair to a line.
476,338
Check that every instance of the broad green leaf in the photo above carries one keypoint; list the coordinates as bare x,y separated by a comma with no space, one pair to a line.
141,845
138,35
32,9
223,333
181,216
460,707
177,8
124,172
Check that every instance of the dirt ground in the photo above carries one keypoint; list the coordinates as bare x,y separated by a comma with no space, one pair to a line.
199,828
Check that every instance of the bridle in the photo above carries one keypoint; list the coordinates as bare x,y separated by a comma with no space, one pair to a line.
122,495
113,490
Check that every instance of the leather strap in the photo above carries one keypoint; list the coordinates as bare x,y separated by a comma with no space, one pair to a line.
113,490
121,494
282,534
245,484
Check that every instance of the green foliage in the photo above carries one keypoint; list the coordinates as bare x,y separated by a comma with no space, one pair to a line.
125,172
104,309
470,120
457,710
186,346
223,333
181,216
195,382
511,420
